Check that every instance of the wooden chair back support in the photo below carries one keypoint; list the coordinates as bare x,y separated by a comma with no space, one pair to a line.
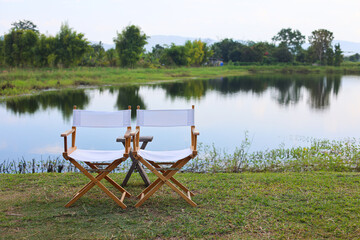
165,118
82,118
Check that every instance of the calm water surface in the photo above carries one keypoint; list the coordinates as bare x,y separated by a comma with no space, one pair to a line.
273,109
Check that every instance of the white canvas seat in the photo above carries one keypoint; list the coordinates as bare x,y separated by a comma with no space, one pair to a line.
154,160
165,156
96,155
96,158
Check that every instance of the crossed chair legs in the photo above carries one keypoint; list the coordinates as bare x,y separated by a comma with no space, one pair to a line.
96,181
165,176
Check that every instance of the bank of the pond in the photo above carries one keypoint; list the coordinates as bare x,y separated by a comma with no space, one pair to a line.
315,205
318,155
26,81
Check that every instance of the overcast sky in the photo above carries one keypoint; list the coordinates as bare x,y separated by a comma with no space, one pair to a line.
257,20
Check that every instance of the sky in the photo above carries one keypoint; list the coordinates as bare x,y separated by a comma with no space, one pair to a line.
256,20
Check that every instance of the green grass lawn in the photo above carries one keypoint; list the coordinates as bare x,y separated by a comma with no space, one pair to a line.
312,205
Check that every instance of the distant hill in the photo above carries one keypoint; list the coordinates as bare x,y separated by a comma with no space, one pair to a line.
349,48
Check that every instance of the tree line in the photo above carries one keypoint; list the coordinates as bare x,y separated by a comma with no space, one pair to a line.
25,46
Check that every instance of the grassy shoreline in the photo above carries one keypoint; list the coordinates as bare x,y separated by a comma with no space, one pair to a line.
316,155
313,205
15,82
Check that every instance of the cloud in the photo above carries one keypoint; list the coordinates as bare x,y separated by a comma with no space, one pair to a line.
48,150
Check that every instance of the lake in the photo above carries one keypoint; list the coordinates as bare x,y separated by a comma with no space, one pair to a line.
273,110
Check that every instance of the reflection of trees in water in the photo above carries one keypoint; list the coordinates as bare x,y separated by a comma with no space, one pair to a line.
321,90
191,89
129,96
287,88
62,100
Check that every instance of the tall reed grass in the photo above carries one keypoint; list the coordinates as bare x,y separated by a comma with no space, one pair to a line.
319,155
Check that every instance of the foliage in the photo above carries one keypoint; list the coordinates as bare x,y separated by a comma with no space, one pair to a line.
320,41
292,39
111,57
197,52
223,48
70,46
174,56
130,45
330,57
282,54
338,58
45,51
353,58
321,155
24,25
19,47
24,46
94,56
1,50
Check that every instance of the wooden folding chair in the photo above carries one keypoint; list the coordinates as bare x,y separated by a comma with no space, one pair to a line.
174,160
96,158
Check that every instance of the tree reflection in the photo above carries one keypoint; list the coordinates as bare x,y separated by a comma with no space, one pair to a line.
129,96
191,89
287,88
62,100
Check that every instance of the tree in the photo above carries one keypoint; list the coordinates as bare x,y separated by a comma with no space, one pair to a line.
262,50
174,55
197,52
70,46
24,25
338,55
354,58
19,47
111,57
329,57
1,50
95,55
283,54
321,41
223,49
235,55
293,39
130,45
45,51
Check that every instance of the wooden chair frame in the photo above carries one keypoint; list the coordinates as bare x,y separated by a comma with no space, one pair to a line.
102,173
165,175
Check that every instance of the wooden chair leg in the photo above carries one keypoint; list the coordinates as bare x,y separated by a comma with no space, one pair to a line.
149,194
146,190
175,181
163,178
96,181
121,189
128,175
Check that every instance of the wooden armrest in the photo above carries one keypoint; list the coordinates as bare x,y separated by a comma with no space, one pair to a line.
67,133
127,134
133,133
195,132
141,139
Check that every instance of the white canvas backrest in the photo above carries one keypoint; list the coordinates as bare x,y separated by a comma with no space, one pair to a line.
165,118
100,119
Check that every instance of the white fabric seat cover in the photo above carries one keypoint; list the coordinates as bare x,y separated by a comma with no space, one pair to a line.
96,155
165,156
